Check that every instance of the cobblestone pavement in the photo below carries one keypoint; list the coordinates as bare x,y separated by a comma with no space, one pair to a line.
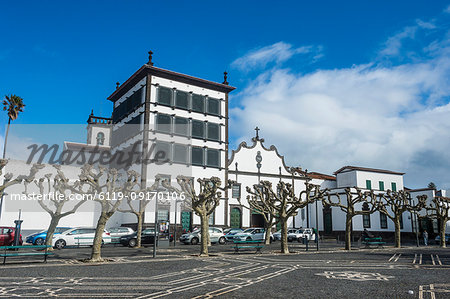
177,272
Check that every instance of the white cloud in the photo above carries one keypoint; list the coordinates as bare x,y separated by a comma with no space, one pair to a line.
277,53
392,117
447,9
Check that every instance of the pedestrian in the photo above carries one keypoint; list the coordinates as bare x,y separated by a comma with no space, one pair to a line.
425,237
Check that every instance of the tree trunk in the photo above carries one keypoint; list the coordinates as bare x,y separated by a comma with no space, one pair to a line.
204,235
284,242
398,243
97,246
442,232
348,232
51,230
139,230
267,233
6,137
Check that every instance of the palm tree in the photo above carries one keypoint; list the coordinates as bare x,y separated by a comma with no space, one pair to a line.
14,104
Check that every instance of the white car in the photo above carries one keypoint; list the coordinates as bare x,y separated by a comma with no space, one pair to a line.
80,236
308,233
117,232
215,236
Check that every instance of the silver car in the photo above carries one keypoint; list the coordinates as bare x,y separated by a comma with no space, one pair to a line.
215,235
277,235
252,234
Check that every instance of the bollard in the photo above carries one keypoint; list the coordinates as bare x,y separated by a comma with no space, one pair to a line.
306,242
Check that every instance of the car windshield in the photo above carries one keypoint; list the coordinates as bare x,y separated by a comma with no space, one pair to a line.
248,230
60,229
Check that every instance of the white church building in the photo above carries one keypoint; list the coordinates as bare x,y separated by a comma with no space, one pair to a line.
186,118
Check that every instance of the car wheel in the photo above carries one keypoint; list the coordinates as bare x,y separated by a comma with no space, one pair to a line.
194,241
132,242
39,241
248,239
271,240
289,239
60,244
222,240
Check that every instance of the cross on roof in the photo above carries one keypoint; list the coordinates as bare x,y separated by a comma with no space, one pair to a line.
257,130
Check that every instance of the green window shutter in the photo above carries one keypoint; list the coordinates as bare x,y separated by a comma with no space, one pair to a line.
394,186
213,132
181,100
198,103
381,185
197,156
164,96
181,126
213,106
198,129
180,153
368,184
213,158
163,123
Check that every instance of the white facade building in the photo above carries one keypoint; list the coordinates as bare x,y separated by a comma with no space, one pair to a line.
182,121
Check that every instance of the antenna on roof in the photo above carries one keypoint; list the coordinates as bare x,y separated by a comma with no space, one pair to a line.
117,85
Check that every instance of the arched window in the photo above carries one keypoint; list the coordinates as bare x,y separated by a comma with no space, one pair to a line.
100,138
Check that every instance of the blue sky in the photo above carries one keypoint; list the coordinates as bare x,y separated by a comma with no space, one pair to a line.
64,57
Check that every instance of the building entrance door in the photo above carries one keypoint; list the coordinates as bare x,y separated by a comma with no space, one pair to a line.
327,221
186,221
235,218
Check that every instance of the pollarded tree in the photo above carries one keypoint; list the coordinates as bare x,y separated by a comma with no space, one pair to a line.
282,203
394,204
8,178
61,187
140,210
255,206
106,187
203,203
367,199
440,209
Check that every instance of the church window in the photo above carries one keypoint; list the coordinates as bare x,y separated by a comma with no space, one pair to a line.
100,138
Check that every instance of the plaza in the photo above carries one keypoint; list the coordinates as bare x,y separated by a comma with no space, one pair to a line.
177,272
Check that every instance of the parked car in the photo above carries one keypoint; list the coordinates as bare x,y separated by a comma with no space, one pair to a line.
117,232
7,236
437,240
216,235
252,234
80,236
147,237
277,235
295,235
39,238
230,232
308,233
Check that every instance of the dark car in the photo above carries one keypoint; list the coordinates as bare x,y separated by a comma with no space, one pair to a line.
147,237
7,236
